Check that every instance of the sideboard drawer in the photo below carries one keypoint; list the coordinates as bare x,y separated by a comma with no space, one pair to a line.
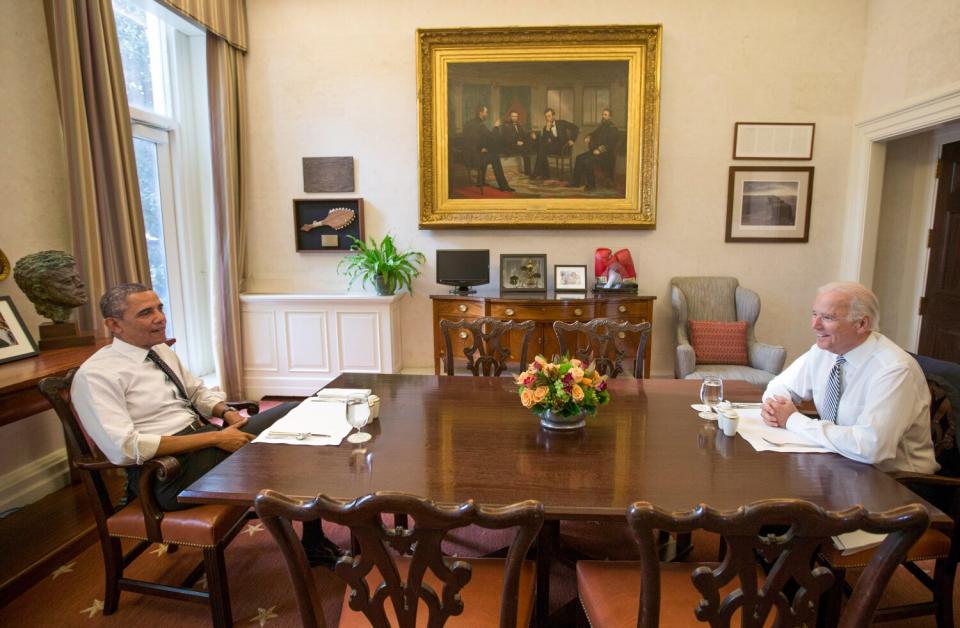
460,309
624,310
548,312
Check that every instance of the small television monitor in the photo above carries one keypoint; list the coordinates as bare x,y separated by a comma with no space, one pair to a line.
463,268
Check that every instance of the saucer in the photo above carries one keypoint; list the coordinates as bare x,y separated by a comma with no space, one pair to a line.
704,411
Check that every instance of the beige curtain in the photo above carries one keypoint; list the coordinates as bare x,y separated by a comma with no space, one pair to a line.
228,130
106,218
225,18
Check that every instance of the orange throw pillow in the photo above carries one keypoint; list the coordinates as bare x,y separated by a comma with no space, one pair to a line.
716,342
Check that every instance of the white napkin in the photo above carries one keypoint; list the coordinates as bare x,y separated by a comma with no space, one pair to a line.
763,437
312,416
343,393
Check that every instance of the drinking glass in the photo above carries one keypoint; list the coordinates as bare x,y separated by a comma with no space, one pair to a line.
711,393
358,416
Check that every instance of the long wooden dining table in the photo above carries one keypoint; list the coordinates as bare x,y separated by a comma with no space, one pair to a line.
457,438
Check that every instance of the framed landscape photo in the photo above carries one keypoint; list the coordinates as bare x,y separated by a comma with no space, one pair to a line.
523,273
323,224
569,278
506,114
15,341
773,140
769,204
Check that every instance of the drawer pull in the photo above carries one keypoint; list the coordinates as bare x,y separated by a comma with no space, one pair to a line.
621,309
464,335
578,312
621,335
509,311
462,307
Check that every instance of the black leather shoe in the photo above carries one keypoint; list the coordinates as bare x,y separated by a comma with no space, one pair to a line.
507,189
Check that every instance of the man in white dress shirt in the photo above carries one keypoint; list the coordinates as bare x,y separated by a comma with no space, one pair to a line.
871,395
136,401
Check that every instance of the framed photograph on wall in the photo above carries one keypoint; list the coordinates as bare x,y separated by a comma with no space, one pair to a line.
546,88
15,341
523,273
568,278
323,224
769,204
773,140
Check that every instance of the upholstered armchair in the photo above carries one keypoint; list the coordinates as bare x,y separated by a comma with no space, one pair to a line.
720,299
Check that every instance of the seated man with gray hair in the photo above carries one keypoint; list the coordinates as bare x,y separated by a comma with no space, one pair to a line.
872,396
136,400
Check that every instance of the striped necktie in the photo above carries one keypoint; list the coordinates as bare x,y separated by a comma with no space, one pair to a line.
831,401
154,357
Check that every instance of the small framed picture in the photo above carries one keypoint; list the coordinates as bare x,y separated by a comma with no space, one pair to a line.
15,341
569,278
773,140
323,224
769,204
523,273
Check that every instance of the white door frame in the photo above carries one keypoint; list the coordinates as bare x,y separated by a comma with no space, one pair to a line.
866,174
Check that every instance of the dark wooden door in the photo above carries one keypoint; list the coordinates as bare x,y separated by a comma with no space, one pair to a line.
940,327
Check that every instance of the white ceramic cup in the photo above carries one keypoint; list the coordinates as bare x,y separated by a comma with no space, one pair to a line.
729,421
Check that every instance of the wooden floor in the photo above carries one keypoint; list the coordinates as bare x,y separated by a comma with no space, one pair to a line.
40,537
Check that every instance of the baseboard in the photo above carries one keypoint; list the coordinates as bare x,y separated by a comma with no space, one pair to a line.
30,482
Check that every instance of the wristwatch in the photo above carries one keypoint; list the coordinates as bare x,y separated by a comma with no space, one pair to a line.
228,409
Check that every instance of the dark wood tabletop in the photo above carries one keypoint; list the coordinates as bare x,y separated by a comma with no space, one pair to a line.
454,438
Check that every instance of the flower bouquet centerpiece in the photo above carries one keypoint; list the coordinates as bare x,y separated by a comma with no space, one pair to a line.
562,394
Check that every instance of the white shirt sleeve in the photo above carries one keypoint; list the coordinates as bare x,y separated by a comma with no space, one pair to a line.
101,407
878,428
793,383
202,398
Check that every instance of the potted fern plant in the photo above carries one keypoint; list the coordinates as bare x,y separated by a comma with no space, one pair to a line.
382,265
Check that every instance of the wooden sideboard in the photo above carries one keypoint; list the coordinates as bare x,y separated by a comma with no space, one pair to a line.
544,309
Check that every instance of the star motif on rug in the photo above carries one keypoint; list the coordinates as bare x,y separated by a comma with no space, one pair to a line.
95,608
161,549
253,528
62,569
263,614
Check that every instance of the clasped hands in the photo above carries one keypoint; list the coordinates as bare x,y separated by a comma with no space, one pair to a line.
776,410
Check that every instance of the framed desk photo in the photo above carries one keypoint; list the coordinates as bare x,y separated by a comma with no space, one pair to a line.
523,273
769,204
568,278
323,224
15,341
539,127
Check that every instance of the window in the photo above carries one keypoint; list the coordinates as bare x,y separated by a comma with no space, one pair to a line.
561,101
595,100
164,67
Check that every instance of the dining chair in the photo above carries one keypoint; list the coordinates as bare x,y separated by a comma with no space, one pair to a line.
209,528
943,490
605,341
487,343
736,590
399,576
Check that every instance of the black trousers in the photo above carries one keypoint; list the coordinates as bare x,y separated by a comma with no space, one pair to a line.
194,464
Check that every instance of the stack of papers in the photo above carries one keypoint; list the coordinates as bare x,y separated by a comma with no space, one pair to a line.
857,541
313,422
342,393
766,438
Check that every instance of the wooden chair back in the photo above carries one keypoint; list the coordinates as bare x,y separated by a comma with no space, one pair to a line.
422,541
791,555
487,344
605,341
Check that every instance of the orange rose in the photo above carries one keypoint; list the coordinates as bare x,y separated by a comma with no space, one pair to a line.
577,393
577,373
576,362
586,381
540,393
526,398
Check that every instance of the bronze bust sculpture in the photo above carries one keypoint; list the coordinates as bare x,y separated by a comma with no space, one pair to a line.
51,280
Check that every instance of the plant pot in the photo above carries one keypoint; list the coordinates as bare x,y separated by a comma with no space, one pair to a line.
383,287
552,421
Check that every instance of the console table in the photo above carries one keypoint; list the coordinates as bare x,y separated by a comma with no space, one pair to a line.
544,309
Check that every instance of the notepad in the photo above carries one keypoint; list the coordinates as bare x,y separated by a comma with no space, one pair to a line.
857,541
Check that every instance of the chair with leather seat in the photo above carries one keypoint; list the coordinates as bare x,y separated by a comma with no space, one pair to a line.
943,490
398,576
209,528
562,160
486,344
604,341
736,591
720,299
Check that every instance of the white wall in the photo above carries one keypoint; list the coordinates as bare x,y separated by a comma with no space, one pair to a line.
336,78
902,237
33,187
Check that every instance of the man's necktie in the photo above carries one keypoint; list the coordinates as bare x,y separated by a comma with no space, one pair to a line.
163,366
831,401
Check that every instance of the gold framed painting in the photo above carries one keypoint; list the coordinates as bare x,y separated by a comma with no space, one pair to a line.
539,127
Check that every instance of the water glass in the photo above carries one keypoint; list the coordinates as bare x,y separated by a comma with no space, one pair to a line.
711,393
